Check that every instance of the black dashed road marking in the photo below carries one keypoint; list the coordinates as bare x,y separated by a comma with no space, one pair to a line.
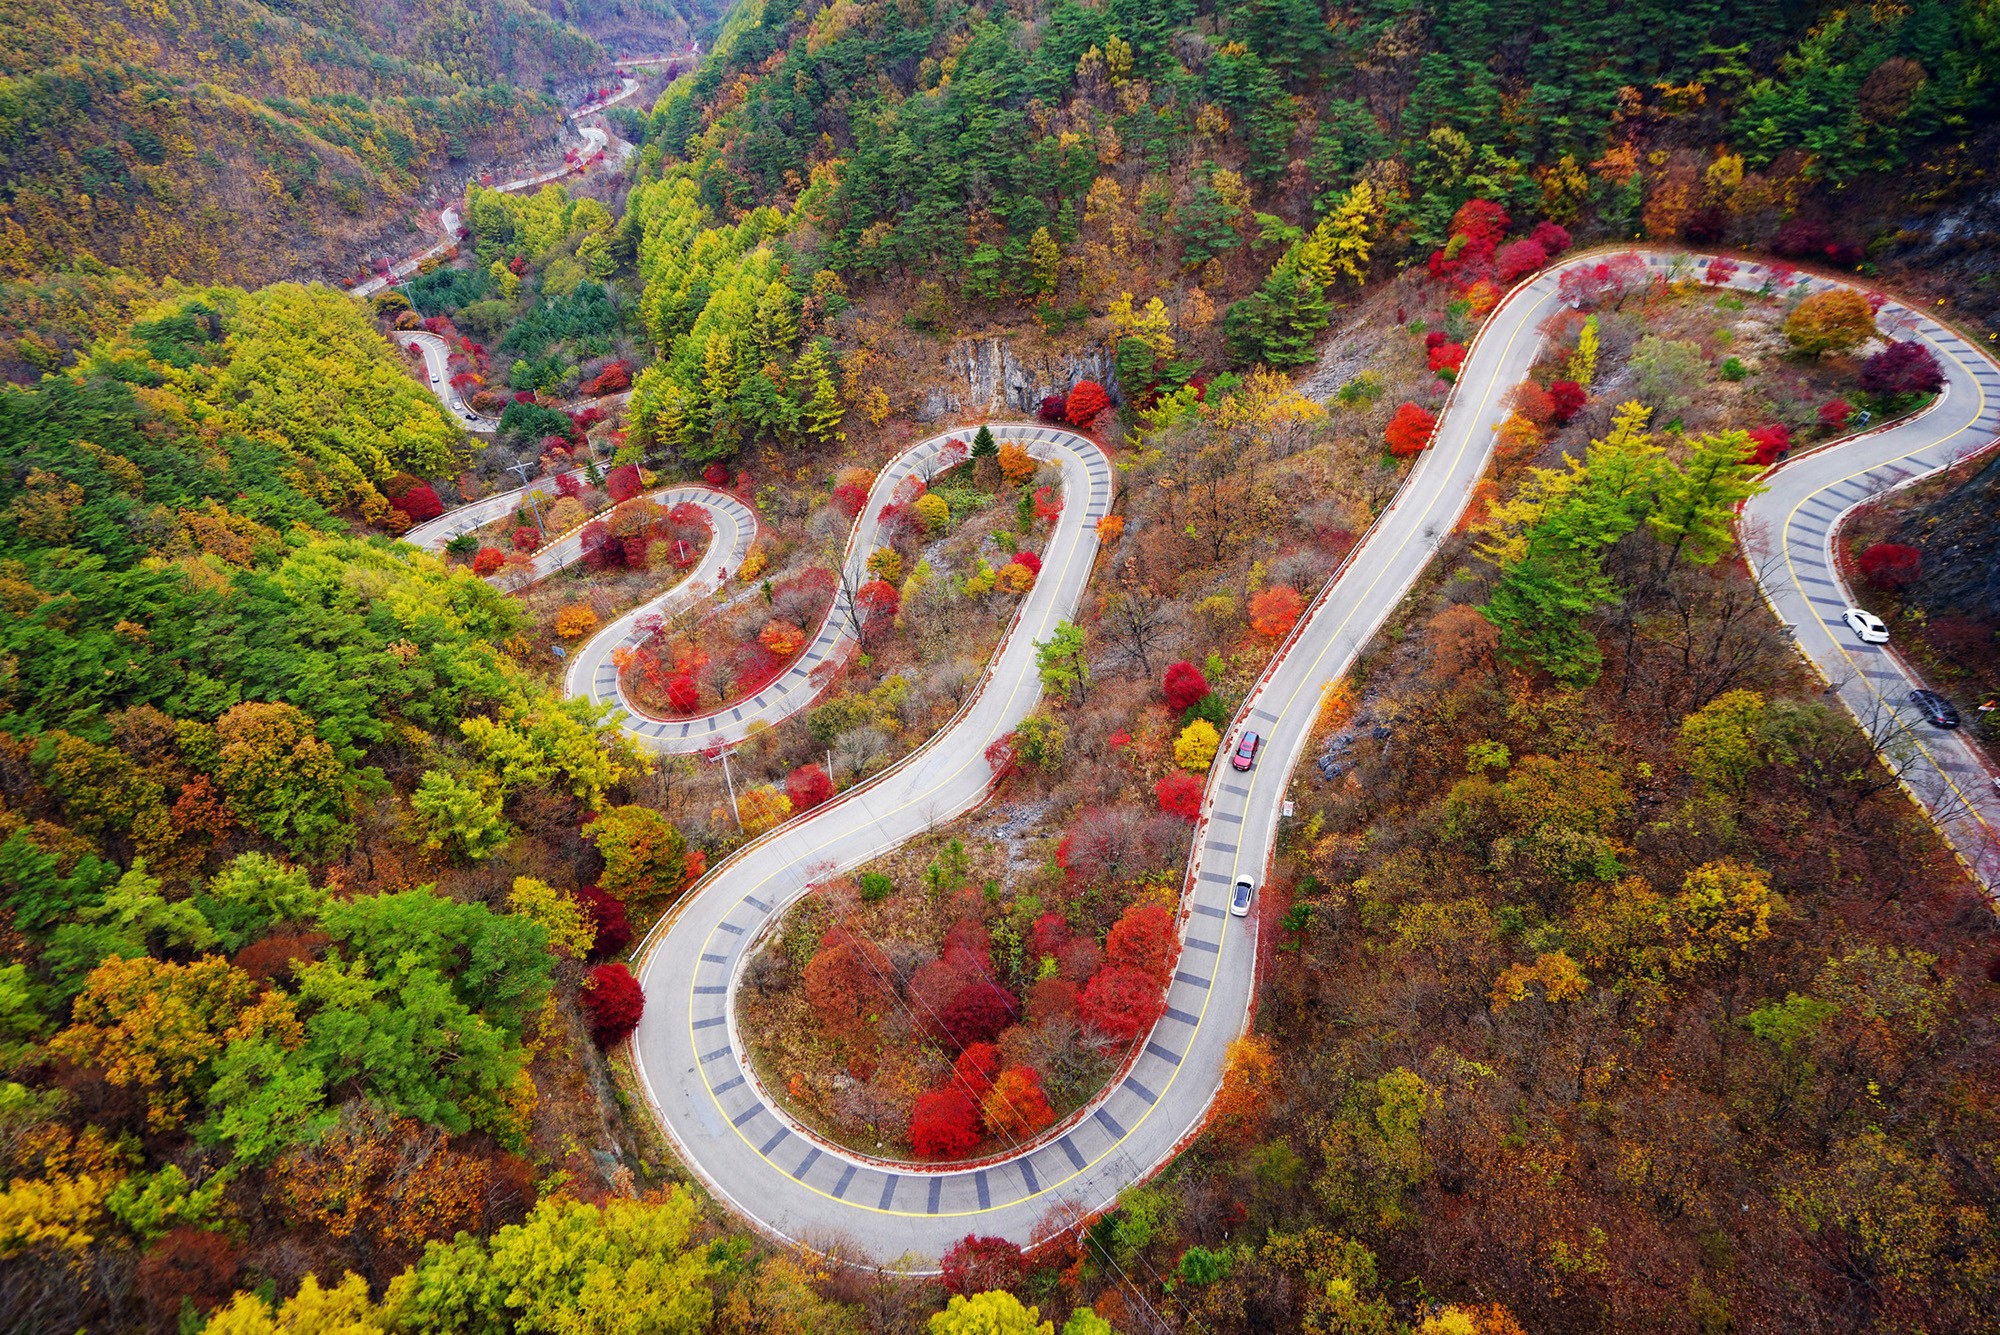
710,1022
756,903
729,1084
731,928
715,959
777,1139
985,1194
708,1057
1232,818
1180,976
711,989
1210,946
1028,1176
799,1173
1181,1017
1163,1054
1222,848
1075,1159
937,1190
888,1192
746,1114
1110,1123
1208,910
1148,1095
1237,789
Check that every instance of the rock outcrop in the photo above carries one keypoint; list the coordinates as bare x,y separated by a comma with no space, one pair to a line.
988,375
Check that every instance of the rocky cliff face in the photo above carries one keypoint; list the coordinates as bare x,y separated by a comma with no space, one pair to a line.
989,375
1959,535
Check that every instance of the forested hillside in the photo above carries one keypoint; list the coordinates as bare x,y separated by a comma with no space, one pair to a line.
234,141
1044,158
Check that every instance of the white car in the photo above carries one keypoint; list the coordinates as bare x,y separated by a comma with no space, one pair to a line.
1239,903
434,380
1866,625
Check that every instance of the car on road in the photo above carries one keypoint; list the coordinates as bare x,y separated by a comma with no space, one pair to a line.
434,380
1866,625
1246,751
1935,708
1239,902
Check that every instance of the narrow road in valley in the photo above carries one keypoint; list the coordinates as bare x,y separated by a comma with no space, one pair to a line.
791,1183
596,138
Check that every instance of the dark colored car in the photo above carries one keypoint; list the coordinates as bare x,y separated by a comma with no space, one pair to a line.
1935,708
1246,751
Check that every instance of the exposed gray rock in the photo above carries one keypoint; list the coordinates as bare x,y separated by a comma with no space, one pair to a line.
989,376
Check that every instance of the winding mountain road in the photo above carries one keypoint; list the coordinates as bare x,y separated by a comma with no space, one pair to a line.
1789,531
794,1185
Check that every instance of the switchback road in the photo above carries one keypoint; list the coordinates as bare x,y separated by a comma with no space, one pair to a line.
792,1184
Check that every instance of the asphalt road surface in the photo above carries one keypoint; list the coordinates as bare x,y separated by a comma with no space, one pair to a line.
792,1184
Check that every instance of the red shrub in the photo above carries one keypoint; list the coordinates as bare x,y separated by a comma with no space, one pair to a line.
1480,220
1902,368
1719,271
715,475
419,503
1121,1003
847,981
969,945
1534,403
808,786
569,486
488,560
1047,508
622,483
1771,442
1275,610
1517,259
682,693
1568,398
930,991
979,1265
850,498
944,1124
1051,998
1179,794
527,539
978,1013
1435,339
1409,430
1086,400
1892,565
977,1067
1030,560
1184,686
878,602
600,550
614,929
613,1001
1049,933
1833,414
1054,408
1016,1108
1079,958
1143,938
1447,357
1551,237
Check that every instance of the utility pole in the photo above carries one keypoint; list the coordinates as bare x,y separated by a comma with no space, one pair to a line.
733,809
523,469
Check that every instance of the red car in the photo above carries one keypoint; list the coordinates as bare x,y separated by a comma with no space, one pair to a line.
1246,751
